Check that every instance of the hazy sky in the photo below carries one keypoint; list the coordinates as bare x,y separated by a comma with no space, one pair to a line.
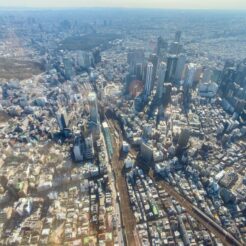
187,4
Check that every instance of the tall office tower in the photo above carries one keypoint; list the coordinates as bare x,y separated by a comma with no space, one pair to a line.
242,117
161,79
84,59
207,73
217,74
94,116
101,91
88,59
198,74
89,148
175,48
241,74
77,150
161,114
171,68
146,152
138,103
62,119
227,79
167,92
134,57
162,46
229,63
154,60
148,82
68,67
139,71
96,56
229,73
190,73
180,68
184,137
84,128
144,71
187,96
177,36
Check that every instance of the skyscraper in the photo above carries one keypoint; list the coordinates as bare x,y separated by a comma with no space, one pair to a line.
180,67
62,119
154,61
171,68
161,46
139,71
96,56
190,73
229,75
241,74
207,73
148,82
184,137
161,79
217,74
167,90
175,48
134,57
94,116
68,67
89,148
77,150
177,36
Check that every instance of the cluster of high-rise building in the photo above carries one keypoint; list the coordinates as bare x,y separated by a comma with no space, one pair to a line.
139,140
232,86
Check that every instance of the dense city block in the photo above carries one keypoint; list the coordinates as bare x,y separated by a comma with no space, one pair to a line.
122,127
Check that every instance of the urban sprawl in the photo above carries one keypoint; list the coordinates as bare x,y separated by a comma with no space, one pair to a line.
122,130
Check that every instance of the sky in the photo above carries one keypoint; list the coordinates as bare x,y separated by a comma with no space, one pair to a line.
174,4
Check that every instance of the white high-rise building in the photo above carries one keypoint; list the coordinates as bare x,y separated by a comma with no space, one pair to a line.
94,116
148,82
89,148
190,73
78,155
161,78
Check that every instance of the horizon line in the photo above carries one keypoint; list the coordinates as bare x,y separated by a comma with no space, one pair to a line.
117,8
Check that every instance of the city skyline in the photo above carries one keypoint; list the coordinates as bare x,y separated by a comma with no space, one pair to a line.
166,4
123,124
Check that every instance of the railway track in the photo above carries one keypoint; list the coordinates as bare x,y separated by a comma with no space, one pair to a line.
226,238
126,211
